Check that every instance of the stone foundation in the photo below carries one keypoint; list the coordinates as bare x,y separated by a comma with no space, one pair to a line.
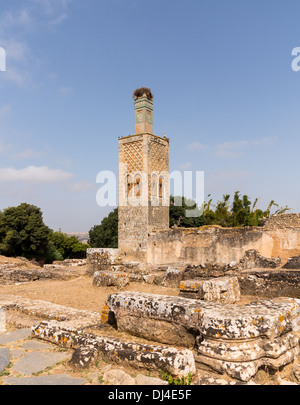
230,338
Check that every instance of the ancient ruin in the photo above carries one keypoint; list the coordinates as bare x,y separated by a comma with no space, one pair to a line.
213,304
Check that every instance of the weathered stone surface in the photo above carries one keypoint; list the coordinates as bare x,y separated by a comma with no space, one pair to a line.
279,237
36,345
2,320
83,356
15,275
253,259
88,346
102,259
244,371
48,310
4,358
19,334
141,379
296,372
292,263
110,278
246,350
264,318
34,362
209,380
221,289
118,377
57,379
15,353
236,339
169,320
270,283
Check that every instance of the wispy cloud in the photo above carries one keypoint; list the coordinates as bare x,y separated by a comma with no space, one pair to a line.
5,111
235,149
34,174
58,20
196,146
65,90
15,24
185,166
80,186
28,153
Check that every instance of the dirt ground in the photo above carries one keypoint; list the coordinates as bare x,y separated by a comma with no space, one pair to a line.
80,293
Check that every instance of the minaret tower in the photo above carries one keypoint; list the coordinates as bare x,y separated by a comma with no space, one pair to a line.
143,181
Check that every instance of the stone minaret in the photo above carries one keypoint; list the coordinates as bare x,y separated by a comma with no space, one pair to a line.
143,181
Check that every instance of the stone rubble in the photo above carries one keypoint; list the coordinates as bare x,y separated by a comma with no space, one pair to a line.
222,289
110,278
88,347
33,358
235,339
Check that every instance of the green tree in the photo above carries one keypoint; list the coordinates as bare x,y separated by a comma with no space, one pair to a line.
23,232
65,247
239,213
178,213
105,235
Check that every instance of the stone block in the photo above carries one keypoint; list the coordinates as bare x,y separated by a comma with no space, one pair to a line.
110,278
87,347
102,259
169,320
2,320
221,289
236,339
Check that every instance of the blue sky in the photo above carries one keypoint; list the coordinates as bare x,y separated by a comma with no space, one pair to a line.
224,93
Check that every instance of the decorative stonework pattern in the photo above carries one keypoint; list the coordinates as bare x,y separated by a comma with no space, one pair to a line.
158,157
133,156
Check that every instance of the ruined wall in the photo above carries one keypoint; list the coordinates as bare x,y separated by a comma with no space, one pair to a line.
198,245
279,237
284,230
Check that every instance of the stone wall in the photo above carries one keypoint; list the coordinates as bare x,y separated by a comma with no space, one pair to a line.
284,231
279,237
200,245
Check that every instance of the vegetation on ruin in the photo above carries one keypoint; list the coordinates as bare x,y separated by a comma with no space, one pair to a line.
23,233
176,381
238,213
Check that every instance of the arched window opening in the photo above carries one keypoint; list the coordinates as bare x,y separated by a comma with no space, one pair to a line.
137,186
129,185
154,186
161,188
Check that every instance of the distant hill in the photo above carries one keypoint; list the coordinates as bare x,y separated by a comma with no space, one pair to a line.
82,236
